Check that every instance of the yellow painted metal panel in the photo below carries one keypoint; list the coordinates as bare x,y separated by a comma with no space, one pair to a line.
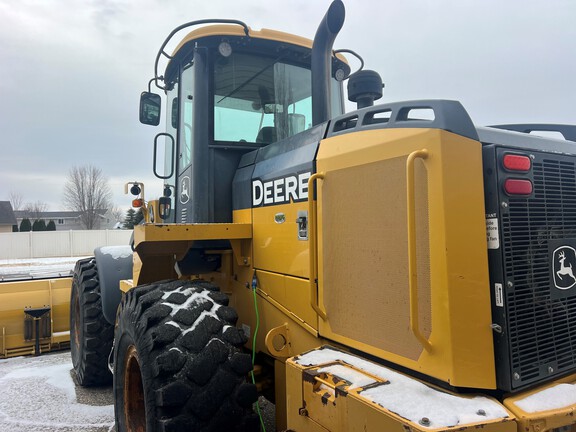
126,285
558,414
335,396
158,246
276,245
20,295
292,293
191,232
60,304
242,216
273,285
271,312
230,30
453,281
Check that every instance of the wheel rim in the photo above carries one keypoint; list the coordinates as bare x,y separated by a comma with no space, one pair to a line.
134,405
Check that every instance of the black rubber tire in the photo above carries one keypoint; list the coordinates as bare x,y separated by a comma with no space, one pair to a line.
91,336
177,357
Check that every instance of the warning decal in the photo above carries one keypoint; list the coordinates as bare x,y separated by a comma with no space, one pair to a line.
498,295
492,236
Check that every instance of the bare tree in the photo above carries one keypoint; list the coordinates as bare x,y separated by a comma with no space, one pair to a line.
16,200
35,210
117,214
87,191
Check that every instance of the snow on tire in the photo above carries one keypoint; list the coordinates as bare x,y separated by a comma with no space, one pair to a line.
177,361
90,334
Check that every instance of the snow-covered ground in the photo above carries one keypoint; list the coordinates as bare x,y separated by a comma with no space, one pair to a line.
37,268
38,394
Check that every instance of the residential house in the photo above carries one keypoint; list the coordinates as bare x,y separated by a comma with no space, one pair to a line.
67,220
7,218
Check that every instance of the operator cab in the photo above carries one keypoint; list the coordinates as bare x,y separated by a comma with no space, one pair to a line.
230,90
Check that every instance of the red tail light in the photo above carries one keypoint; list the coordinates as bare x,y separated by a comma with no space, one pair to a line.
514,162
518,187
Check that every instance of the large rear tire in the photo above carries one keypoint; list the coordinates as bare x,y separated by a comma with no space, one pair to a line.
91,335
177,361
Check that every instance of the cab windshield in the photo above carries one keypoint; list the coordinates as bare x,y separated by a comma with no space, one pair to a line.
262,99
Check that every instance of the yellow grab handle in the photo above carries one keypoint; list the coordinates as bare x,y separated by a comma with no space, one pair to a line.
412,261
313,240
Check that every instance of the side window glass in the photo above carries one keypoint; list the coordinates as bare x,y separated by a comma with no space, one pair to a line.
171,129
186,128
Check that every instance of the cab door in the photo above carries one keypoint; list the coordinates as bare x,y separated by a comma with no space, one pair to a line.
183,162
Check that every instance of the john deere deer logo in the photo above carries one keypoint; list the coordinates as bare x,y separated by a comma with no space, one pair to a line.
564,263
185,190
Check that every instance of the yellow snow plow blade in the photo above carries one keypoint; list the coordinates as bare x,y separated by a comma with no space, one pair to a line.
31,309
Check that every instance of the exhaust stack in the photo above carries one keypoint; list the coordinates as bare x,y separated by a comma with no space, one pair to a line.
322,61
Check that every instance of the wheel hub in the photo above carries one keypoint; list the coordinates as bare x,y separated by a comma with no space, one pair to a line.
134,404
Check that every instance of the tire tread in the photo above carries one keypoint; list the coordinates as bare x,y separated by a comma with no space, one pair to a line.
90,355
195,378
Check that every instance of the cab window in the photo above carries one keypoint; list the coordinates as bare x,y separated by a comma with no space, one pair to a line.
260,99
186,124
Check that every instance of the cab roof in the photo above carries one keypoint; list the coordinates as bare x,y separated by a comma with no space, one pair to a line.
238,31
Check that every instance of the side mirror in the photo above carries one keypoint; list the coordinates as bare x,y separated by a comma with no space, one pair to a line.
150,104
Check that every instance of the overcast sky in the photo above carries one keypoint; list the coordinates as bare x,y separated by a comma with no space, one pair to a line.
71,71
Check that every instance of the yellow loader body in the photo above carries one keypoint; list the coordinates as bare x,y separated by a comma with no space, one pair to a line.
355,310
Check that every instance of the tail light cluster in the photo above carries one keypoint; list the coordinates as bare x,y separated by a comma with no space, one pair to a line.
518,168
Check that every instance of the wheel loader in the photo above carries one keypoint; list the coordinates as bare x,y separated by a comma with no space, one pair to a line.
392,268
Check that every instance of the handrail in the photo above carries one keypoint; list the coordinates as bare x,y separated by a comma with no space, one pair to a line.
313,240
412,261
161,51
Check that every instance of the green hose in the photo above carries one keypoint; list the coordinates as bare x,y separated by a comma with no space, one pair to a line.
254,284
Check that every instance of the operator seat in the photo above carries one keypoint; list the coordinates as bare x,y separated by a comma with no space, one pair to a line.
266,135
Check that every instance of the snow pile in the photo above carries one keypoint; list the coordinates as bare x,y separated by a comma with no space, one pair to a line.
117,252
35,268
405,396
39,394
559,396
194,299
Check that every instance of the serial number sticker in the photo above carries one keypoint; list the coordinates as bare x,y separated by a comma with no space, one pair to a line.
492,235
498,295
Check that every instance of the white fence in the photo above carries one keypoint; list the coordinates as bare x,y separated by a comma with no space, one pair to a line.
44,244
